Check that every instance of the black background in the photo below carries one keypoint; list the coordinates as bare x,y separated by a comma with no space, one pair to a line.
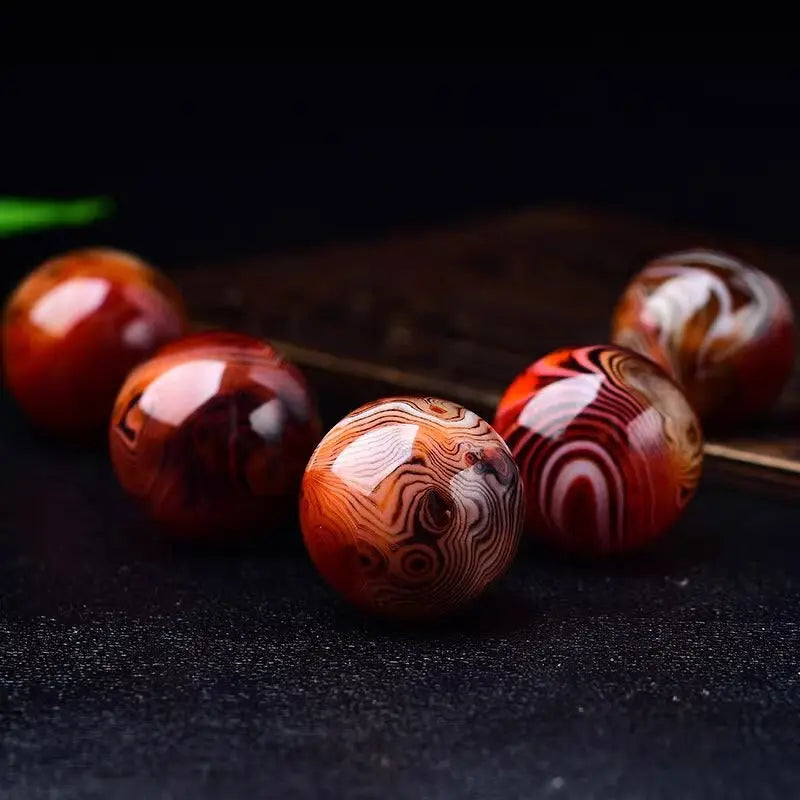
131,668
211,160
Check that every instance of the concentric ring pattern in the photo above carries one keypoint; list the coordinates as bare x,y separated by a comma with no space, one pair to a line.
608,447
410,507
722,328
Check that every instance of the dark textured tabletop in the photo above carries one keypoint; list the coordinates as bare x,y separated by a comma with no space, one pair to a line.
132,668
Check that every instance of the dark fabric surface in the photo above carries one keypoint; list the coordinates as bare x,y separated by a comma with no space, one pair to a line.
132,668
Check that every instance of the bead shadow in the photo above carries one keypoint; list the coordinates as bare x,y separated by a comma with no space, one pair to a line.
677,551
278,537
503,610
19,430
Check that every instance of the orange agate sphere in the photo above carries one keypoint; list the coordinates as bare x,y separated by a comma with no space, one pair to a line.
609,449
723,329
212,434
410,507
74,328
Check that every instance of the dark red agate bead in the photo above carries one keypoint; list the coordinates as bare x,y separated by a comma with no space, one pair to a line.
213,433
75,327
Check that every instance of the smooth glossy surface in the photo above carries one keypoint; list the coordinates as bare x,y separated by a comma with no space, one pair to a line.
411,507
75,327
609,449
212,434
723,329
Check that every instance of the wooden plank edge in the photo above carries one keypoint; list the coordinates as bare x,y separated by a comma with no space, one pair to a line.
487,400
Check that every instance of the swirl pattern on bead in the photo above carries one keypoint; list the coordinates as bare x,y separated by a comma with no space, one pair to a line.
722,328
411,507
608,447
212,435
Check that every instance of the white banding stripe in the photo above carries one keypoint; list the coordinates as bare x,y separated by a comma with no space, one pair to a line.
554,490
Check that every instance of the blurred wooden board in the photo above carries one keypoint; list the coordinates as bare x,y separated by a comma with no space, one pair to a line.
460,311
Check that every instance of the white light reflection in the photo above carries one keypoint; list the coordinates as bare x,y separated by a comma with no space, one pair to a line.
560,402
68,303
180,391
374,455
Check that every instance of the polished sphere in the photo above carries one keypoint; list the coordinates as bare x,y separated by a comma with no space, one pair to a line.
212,434
609,449
410,507
75,327
723,329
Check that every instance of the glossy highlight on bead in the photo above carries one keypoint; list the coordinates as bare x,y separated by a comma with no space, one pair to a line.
75,327
411,507
212,435
609,449
722,328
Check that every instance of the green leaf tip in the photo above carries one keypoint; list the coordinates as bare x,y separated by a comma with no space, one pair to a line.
25,214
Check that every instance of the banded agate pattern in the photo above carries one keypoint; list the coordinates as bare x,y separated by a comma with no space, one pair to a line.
722,328
411,507
609,449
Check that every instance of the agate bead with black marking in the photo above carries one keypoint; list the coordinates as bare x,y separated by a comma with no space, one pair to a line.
411,507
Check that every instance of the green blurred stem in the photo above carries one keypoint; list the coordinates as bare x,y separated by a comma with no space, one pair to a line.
24,214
